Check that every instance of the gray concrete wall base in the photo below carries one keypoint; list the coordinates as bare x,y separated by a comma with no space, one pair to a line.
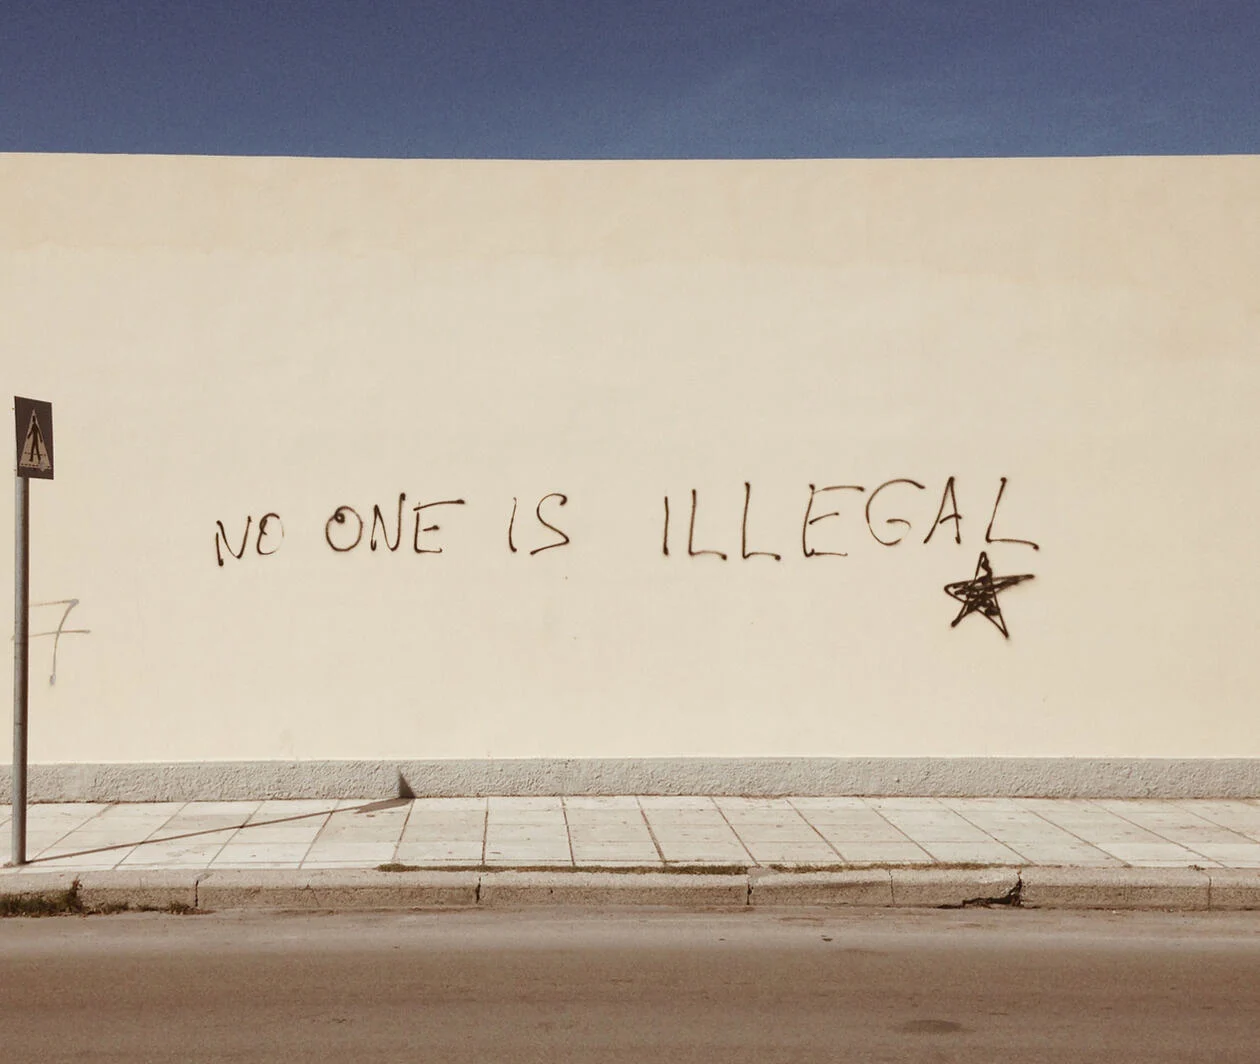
1067,777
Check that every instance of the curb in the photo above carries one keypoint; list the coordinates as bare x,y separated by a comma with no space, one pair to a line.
1232,889
172,890
952,888
1183,889
357,888
1179,889
870,887
506,890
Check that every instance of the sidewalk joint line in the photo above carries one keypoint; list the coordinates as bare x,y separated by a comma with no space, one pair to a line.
1009,845
1081,838
651,834
322,828
738,837
814,828
1184,845
900,830
568,833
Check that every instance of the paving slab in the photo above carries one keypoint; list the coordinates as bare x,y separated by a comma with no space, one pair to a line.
883,853
986,853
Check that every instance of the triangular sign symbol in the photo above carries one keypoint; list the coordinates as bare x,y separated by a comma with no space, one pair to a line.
34,450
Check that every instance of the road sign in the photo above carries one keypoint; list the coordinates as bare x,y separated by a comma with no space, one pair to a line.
33,422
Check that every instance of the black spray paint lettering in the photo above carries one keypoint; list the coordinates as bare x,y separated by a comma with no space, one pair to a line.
743,532
691,533
346,528
263,533
341,516
885,528
221,541
901,521
59,631
988,532
379,518
564,537
692,552
270,531
430,528
343,531
953,515
809,551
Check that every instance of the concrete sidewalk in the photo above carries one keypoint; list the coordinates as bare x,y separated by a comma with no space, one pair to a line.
699,850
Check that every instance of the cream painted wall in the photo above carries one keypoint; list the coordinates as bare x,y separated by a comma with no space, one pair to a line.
228,337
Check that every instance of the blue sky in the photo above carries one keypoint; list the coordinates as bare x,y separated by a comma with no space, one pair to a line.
631,78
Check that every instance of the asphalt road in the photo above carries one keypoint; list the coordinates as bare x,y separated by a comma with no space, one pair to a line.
476,986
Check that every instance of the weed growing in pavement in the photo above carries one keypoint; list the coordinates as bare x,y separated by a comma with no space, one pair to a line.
45,903
70,903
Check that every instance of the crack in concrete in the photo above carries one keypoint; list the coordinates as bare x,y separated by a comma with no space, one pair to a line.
1012,897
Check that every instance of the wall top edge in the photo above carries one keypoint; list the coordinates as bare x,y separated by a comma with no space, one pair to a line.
129,158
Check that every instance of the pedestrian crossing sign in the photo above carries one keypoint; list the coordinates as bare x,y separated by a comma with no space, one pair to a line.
33,421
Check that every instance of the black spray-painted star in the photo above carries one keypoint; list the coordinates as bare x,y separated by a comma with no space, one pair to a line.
979,594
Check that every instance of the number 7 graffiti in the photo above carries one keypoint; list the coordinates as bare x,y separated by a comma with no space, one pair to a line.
60,630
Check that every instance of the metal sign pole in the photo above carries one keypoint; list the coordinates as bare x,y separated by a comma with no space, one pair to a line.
21,643
33,425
